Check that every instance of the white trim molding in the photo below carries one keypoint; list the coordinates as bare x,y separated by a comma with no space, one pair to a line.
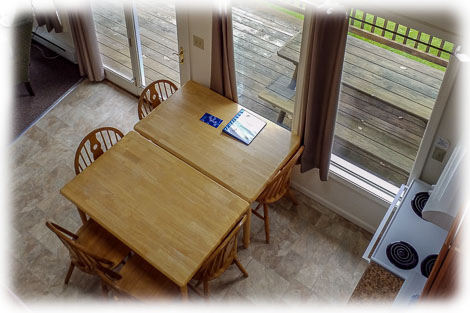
439,106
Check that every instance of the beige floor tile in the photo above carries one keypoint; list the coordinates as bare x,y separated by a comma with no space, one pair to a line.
21,151
298,294
263,284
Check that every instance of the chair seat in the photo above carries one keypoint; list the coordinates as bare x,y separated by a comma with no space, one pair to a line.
144,282
100,242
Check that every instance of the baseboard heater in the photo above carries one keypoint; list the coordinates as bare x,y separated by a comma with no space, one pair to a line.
69,55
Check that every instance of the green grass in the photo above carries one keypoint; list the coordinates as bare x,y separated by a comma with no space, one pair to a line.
284,10
390,26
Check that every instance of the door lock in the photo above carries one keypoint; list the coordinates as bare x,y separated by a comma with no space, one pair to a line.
180,55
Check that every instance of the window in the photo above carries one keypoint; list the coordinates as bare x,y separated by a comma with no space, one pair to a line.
392,74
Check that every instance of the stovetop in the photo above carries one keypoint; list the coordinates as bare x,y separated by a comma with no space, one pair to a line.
412,239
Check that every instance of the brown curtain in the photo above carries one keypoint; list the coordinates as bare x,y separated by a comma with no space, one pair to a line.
223,63
85,41
46,14
322,82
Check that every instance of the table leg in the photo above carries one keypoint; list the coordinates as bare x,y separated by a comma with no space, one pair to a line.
292,85
246,229
293,81
184,293
281,116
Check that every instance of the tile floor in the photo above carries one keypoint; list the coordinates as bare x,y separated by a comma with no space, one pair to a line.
314,255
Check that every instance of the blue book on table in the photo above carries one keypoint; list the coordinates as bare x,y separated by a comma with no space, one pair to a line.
211,120
244,126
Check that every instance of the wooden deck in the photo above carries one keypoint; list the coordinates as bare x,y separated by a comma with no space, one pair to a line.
157,35
370,132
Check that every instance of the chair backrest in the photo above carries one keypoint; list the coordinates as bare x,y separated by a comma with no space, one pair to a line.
155,93
222,257
279,184
94,145
80,256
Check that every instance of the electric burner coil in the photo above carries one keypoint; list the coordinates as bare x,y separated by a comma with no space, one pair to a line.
402,255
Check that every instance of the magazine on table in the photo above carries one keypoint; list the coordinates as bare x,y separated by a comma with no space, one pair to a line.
244,126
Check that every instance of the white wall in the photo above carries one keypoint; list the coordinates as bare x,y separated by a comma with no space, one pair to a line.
448,129
196,20
343,197
200,24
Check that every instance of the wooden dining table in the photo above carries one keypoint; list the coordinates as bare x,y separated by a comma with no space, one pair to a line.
243,169
165,210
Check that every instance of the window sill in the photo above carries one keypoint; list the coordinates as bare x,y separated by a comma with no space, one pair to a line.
369,183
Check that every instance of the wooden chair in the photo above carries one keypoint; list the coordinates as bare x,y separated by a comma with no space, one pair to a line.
278,187
154,94
224,256
137,280
92,147
90,246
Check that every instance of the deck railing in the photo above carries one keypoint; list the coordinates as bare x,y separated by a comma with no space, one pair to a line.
389,33
401,37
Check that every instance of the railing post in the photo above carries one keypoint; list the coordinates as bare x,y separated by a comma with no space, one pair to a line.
417,38
373,22
384,27
353,14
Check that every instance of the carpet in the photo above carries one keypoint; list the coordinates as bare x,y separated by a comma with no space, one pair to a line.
51,76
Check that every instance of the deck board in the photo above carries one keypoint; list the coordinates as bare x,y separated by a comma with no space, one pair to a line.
419,88
261,53
371,133
398,60
387,63
386,112
112,34
367,116
268,16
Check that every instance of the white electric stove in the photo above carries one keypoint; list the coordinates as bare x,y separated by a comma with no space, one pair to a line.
405,243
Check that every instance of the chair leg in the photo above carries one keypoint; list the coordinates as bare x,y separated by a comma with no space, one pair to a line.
104,290
256,209
69,273
291,197
206,290
29,89
240,267
266,222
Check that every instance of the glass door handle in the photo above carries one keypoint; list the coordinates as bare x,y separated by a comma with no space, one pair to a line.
180,55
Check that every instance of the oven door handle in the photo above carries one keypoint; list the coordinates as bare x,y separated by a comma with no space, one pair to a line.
383,224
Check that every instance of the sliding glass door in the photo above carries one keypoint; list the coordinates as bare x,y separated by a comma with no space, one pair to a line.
138,41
